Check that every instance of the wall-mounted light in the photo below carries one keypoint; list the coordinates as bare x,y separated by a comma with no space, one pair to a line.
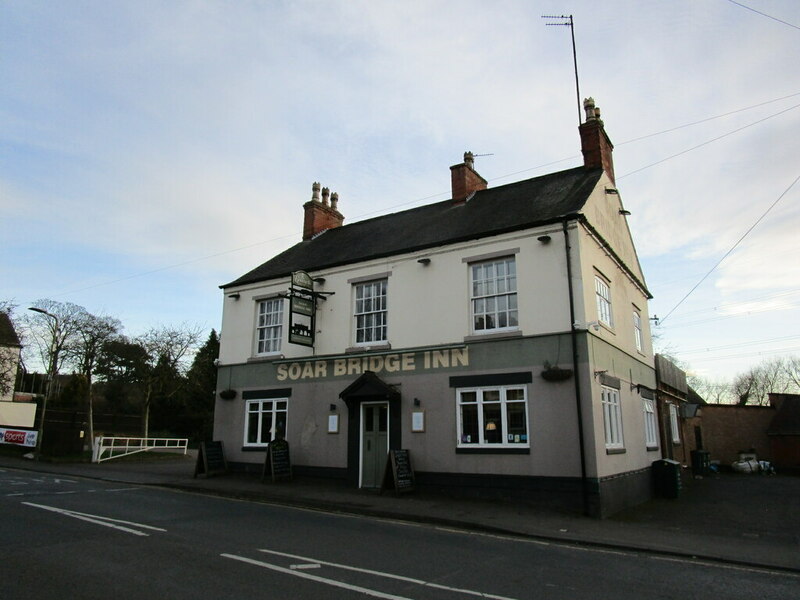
416,402
612,191
234,296
600,372
424,261
319,280
545,239
333,408
622,211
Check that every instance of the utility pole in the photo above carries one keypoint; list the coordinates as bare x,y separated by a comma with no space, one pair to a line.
569,23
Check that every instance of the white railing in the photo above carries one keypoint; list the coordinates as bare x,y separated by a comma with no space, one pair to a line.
106,448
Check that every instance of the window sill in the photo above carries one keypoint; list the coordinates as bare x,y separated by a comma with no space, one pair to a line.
254,448
615,451
376,347
652,448
485,450
477,337
265,357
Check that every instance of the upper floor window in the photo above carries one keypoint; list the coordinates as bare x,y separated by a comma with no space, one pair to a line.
603,295
269,328
370,312
493,417
494,295
612,417
637,330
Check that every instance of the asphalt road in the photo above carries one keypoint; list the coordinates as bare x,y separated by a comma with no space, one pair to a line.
66,537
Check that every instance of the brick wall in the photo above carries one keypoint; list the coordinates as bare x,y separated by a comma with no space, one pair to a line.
728,429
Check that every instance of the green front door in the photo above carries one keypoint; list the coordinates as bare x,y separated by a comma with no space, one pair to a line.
374,443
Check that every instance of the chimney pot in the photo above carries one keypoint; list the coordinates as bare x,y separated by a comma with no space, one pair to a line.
334,200
325,195
588,106
469,160
315,191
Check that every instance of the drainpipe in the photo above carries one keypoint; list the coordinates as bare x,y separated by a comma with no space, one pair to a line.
574,337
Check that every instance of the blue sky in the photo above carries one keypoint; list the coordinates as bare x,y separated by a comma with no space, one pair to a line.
151,151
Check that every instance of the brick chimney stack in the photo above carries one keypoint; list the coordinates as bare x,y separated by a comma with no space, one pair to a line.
464,180
319,214
595,144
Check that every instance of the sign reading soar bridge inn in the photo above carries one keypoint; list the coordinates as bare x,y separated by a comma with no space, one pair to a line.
377,363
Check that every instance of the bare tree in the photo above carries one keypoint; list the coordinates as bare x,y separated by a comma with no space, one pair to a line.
771,376
53,327
84,350
168,350
792,367
713,392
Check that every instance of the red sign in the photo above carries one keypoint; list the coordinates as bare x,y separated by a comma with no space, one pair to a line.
15,437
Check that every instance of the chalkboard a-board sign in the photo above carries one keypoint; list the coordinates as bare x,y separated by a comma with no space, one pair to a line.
277,463
398,473
210,459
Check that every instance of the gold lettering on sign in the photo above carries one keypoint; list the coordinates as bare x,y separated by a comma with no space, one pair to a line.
459,357
389,363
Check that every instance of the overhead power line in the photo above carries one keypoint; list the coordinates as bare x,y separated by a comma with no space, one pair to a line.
758,12
432,196
707,142
732,248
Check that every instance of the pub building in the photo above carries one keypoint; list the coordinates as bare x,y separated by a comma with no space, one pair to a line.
501,337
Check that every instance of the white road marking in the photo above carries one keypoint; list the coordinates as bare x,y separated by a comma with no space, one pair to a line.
388,575
331,582
309,566
99,520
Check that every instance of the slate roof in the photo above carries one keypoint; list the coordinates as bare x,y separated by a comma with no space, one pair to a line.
787,420
489,212
8,336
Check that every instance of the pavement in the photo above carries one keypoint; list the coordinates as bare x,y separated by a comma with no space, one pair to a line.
746,520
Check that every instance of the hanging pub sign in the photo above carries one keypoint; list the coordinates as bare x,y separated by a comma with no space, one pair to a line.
301,279
302,309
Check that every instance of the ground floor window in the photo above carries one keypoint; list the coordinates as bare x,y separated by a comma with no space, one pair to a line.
650,435
612,418
265,420
493,417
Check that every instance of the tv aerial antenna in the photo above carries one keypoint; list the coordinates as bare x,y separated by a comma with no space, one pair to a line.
566,21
